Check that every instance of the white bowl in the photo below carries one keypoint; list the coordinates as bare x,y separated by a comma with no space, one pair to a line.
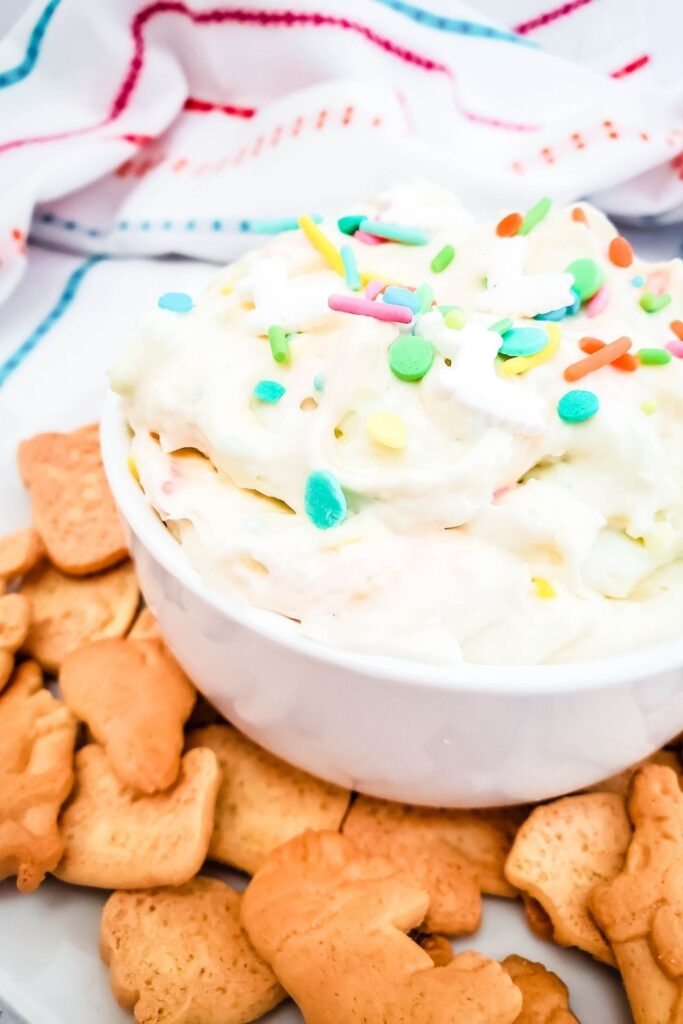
469,736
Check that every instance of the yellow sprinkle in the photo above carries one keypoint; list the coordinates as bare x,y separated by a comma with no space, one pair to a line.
648,407
227,289
520,364
367,276
544,589
133,468
387,429
325,247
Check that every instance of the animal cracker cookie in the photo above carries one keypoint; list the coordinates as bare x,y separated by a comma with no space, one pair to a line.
116,839
262,801
134,698
621,782
562,851
68,612
180,956
19,552
72,507
145,627
546,999
37,736
331,921
15,618
641,910
437,946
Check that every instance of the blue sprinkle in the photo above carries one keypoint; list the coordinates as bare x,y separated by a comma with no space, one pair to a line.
350,268
523,341
553,314
190,225
324,500
319,382
638,281
402,297
175,302
275,225
269,391
575,306
216,225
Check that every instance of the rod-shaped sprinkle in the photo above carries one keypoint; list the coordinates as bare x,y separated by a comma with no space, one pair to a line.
603,357
443,259
366,307
394,232
279,343
402,297
321,242
627,363
350,268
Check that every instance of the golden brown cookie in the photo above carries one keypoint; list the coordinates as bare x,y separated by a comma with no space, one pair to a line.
145,627
68,612
19,552
620,782
180,956
6,668
71,504
437,946
135,699
537,918
561,852
331,922
15,620
262,801
546,998
641,910
37,736
116,839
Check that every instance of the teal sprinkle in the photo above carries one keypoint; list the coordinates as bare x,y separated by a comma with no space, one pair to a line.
319,382
175,302
426,297
324,500
523,341
638,281
402,297
577,406
276,225
350,268
501,325
269,391
395,232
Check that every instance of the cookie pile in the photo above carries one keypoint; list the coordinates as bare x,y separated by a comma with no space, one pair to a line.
129,781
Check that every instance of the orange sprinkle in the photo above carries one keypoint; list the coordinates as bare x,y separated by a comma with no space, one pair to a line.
620,252
603,357
579,216
627,363
509,226
677,327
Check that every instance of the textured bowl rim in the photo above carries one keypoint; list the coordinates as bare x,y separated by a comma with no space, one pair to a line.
523,680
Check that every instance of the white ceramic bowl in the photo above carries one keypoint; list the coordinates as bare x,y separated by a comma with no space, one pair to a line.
474,735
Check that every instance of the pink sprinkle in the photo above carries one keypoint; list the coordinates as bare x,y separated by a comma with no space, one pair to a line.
675,347
365,307
657,282
363,236
598,304
373,288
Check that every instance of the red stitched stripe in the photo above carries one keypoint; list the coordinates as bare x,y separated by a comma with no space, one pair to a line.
198,106
635,65
549,16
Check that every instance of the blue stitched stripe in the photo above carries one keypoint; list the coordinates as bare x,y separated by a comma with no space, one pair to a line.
456,25
271,226
35,41
60,307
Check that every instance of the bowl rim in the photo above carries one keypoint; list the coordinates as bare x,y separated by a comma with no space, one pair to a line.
522,680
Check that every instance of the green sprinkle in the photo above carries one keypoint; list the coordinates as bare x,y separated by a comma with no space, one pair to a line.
279,343
426,297
443,259
588,277
324,500
577,406
653,303
653,356
648,407
269,391
535,215
523,341
350,268
349,225
501,326
319,382
410,357
454,317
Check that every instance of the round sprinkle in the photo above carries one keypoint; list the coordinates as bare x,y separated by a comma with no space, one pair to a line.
648,407
349,225
501,325
319,382
324,500
279,343
454,318
598,304
576,304
675,347
543,587
579,216
175,302
638,281
652,303
410,357
654,356
588,277
269,391
387,429
443,259
509,226
577,406
553,314
523,341
677,327
620,252
534,216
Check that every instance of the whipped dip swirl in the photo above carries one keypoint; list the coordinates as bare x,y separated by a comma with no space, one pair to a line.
498,506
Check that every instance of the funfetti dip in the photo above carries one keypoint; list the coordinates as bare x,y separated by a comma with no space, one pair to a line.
424,437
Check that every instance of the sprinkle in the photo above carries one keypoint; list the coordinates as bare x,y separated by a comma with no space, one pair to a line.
620,252
653,356
133,467
579,216
324,500
638,281
510,225
523,341
349,225
501,325
279,343
652,303
363,236
455,318
520,364
319,382
402,297
657,281
269,391
628,363
426,297
443,259
350,268
588,277
175,302
277,225
387,429
227,289
677,327
675,347
373,288
395,232
576,304
648,407
321,242
577,406
603,357
364,307
534,216
544,589
598,304
410,357
553,314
